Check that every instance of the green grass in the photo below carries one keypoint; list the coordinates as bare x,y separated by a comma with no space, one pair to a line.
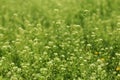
59,40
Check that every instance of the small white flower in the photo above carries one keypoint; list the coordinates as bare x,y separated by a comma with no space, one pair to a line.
89,45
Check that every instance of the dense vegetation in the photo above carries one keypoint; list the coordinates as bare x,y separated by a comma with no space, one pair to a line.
59,40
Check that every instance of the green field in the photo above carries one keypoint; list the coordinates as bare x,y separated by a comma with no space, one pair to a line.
59,39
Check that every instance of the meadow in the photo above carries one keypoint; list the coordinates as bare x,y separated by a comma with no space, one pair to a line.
59,39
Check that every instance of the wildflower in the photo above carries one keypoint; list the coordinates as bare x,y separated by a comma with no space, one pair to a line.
50,63
114,72
92,77
56,59
117,54
118,68
14,77
43,70
55,54
81,64
15,68
12,64
89,45
102,59
118,75
92,35
106,48
9,74
76,25
100,39
96,28
96,53
102,49
45,53
68,26
50,43
47,47
92,65
62,56
63,69
19,70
